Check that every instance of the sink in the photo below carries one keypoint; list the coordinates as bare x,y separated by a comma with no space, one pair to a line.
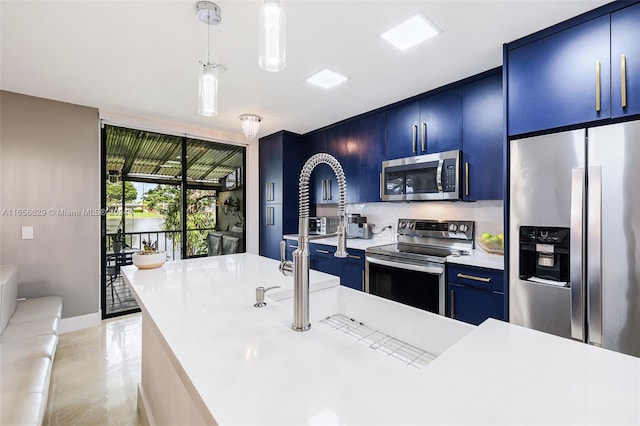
416,327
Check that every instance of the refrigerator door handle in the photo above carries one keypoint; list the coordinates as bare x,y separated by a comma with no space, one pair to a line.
594,256
577,254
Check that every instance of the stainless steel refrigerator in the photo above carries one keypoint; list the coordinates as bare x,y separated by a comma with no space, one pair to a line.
587,182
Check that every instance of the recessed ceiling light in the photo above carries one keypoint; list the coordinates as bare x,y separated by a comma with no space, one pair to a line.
326,78
414,30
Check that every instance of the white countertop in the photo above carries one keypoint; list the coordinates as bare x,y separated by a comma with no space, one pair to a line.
250,368
477,257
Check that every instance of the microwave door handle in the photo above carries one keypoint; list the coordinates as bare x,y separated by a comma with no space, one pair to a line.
439,175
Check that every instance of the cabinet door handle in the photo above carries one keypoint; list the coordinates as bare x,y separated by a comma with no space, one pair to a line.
292,246
466,178
329,197
414,138
474,278
268,191
324,191
273,191
322,251
623,80
452,304
424,137
597,86
268,216
362,281
351,256
272,221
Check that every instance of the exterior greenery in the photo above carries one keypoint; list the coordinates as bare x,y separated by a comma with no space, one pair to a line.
201,214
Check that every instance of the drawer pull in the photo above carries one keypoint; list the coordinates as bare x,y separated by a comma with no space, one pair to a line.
623,80
452,301
293,246
474,278
354,257
322,251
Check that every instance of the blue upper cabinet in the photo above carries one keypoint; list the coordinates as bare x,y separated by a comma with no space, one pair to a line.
482,141
560,80
431,124
343,142
322,189
440,126
625,61
402,130
372,138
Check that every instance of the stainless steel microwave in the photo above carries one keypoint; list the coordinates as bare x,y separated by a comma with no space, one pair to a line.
422,177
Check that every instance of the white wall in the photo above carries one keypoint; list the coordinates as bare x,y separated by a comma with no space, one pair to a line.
50,181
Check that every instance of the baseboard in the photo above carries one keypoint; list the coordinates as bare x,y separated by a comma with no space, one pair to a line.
78,323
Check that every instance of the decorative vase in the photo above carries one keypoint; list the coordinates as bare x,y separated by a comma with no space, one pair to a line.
117,246
149,260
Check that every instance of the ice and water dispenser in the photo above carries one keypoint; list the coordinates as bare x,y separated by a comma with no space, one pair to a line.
544,254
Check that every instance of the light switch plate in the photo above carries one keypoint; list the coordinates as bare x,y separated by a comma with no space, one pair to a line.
27,232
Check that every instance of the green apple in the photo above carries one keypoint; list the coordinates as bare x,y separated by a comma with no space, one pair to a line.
485,236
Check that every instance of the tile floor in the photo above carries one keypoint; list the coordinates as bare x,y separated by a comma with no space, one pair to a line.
95,375
122,299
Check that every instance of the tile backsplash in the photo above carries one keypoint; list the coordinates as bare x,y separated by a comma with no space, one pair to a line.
487,215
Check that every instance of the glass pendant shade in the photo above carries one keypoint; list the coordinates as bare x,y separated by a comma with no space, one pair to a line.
272,37
208,89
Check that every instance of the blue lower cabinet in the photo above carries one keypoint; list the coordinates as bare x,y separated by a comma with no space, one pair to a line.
473,306
475,294
323,259
352,270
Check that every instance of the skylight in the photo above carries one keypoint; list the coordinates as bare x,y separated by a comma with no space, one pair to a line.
326,78
414,30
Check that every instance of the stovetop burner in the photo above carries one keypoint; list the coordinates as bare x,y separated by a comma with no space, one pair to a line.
427,241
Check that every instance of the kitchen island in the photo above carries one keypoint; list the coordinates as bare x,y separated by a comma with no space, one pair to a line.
210,357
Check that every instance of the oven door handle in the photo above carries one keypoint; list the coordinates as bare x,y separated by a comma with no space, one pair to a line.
401,265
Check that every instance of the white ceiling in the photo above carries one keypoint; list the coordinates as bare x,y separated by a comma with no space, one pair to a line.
140,58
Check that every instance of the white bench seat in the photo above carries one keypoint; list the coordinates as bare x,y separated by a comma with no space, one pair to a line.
29,329
22,408
28,340
17,350
37,308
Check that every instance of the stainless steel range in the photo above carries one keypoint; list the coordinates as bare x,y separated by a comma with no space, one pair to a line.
412,271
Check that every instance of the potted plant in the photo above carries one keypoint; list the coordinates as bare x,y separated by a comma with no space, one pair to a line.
117,240
149,257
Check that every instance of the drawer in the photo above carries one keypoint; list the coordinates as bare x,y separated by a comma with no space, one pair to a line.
321,250
482,278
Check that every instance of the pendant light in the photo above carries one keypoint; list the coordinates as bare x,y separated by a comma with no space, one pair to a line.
210,14
272,36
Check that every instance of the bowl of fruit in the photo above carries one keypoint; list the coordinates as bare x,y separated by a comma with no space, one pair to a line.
493,244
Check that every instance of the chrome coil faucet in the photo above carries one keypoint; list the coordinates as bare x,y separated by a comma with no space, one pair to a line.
299,268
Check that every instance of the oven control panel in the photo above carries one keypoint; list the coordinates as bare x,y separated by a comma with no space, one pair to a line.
451,229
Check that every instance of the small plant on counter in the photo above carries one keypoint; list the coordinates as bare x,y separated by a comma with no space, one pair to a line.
149,248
